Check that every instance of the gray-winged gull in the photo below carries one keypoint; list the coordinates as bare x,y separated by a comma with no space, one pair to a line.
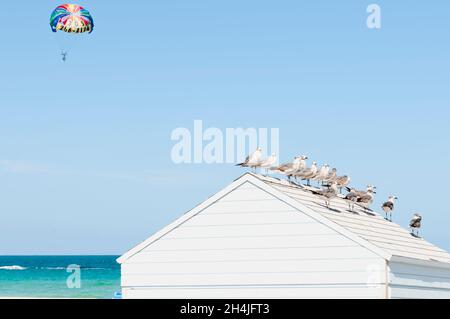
388,207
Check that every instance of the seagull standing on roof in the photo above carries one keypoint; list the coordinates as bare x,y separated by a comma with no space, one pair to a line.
298,162
268,163
342,181
288,169
331,176
367,198
415,224
328,193
351,198
302,166
323,174
309,173
370,188
253,161
388,207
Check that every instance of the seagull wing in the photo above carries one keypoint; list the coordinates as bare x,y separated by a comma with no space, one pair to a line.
352,197
416,222
243,164
366,198
255,158
283,167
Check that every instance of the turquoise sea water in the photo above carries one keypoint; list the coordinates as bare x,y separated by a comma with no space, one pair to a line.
46,276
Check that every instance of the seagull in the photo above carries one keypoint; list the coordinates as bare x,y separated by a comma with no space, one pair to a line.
370,188
323,173
415,224
331,176
342,181
388,207
269,162
289,168
367,197
309,173
328,193
253,160
297,164
302,166
352,198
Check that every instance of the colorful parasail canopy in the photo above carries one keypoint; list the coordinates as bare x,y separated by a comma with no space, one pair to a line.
71,18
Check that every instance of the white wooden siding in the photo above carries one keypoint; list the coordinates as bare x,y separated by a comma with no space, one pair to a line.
408,281
247,239
218,277
248,254
265,238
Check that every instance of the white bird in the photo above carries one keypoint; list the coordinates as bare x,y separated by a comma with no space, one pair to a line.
332,176
323,173
295,167
342,181
253,161
309,173
301,167
328,193
288,169
415,224
269,162
351,198
388,207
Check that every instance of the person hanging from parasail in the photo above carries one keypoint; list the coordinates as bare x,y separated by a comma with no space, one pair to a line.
71,18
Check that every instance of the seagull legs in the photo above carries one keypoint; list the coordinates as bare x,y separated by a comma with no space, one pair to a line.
388,216
351,206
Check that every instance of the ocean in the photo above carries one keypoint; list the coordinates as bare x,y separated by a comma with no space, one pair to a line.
59,276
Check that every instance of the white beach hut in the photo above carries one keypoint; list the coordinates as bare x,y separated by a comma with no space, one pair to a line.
265,238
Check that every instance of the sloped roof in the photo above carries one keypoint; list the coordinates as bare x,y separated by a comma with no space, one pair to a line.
369,225
369,229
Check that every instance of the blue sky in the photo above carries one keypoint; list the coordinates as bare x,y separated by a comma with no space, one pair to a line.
85,145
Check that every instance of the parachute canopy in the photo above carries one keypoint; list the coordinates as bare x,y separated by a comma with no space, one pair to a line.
71,18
